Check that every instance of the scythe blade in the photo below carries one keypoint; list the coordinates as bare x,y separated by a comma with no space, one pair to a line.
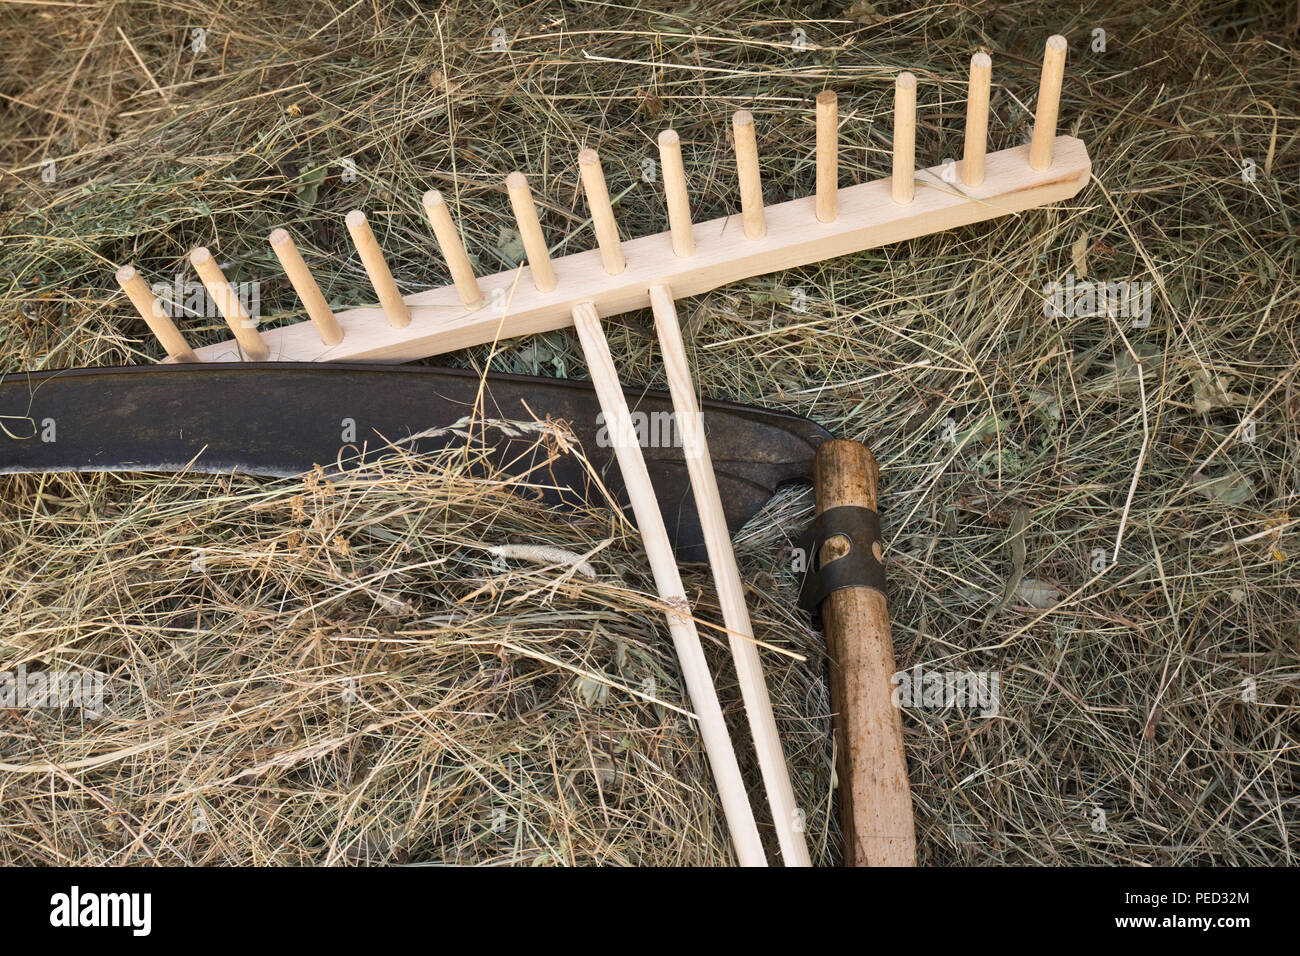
284,418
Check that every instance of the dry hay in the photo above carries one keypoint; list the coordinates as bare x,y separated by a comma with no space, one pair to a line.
1019,451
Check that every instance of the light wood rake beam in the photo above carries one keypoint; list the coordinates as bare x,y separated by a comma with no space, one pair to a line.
868,217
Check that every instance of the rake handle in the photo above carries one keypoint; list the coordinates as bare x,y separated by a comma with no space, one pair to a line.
875,797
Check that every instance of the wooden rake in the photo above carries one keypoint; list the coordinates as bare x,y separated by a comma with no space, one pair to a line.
617,277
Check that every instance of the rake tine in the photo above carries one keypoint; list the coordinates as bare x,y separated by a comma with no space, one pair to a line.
977,120
399,316
679,202
828,160
151,310
902,186
1049,102
300,277
751,183
453,250
530,230
602,213
241,325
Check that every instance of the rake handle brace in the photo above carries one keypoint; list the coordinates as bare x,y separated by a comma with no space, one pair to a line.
874,794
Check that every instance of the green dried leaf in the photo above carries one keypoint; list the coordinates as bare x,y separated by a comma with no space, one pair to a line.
1232,489
308,187
594,693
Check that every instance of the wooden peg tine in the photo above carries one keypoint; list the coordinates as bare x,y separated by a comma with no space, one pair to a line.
751,183
300,277
679,202
154,315
828,160
902,187
977,119
453,250
1049,102
242,325
394,306
530,230
602,212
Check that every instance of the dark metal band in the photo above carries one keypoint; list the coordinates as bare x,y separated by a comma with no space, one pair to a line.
858,568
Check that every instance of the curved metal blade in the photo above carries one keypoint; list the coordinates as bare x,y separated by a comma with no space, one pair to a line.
283,418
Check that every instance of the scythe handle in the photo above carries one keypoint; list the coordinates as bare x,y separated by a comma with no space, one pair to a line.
875,798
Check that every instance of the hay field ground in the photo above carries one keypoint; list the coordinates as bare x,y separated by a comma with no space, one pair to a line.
1100,509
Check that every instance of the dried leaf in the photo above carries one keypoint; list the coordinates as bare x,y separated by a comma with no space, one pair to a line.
1046,405
441,84
1122,376
1019,521
1037,594
511,245
1079,255
1149,731
863,11
604,769
308,187
985,429
594,693
1227,489
1209,391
